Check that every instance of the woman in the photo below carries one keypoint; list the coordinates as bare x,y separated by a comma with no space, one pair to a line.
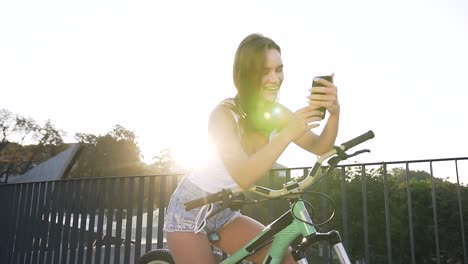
250,132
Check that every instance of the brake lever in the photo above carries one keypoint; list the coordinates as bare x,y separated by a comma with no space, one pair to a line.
359,152
233,202
341,155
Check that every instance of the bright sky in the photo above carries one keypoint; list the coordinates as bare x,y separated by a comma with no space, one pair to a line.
159,67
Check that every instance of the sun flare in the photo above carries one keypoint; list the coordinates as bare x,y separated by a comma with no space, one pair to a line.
190,156
186,153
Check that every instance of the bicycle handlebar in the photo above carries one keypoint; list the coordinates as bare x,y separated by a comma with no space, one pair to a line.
215,197
289,187
358,140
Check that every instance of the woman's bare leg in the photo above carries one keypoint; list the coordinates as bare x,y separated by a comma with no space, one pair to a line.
190,248
240,231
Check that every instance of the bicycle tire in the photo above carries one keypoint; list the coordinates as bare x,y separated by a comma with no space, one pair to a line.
157,256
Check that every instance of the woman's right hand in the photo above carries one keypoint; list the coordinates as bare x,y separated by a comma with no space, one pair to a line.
302,121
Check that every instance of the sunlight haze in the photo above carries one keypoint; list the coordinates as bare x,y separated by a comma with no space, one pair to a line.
159,67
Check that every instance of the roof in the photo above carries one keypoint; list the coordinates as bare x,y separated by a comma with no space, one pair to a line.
52,169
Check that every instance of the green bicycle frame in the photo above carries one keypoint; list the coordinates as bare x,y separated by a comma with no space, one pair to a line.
279,234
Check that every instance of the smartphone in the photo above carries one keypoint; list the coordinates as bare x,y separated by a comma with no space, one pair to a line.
314,84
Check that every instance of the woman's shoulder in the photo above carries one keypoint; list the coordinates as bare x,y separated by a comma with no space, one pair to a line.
226,107
224,118
228,104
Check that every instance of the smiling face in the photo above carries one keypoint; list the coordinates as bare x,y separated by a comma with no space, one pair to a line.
272,75
257,72
258,75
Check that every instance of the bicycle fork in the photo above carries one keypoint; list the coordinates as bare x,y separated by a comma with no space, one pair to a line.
334,240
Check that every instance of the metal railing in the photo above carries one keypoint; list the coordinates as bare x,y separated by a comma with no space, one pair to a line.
118,219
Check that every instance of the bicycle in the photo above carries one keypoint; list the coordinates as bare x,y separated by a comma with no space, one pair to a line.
285,230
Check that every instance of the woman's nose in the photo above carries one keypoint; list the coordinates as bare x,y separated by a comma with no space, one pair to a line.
273,77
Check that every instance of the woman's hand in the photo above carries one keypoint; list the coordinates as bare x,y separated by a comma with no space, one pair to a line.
327,97
302,121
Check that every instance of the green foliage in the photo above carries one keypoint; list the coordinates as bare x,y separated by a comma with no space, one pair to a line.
419,204
114,154
365,188
16,131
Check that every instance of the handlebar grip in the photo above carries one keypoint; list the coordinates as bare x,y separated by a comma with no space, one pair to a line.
358,140
215,197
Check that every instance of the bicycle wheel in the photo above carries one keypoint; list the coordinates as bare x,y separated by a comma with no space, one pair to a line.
157,256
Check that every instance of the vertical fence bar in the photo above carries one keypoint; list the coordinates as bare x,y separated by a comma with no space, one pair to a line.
344,202
387,215
364,213
75,211
460,208
28,238
174,182
18,221
33,222
324,211
162,205
59,222
84,213
26,224
90,235
434,214
39,222
12,223
46,225
149,220
118,218
101,194
52,220
5,208
128,227
110,220
410,213
139,220
14,191
271,211
68,197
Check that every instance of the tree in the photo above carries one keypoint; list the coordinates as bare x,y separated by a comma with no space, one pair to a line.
50,142
164,163
114,154
16,130
7,126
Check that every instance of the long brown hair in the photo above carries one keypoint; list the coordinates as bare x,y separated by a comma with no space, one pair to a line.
248,67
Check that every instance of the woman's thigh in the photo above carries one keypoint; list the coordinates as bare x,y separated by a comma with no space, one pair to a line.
239,232
190,248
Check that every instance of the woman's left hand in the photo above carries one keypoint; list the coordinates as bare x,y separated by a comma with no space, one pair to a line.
327,97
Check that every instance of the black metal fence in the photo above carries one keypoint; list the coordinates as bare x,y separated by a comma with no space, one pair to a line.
117,220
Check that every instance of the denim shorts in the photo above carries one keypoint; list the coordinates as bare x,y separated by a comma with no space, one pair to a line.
177,219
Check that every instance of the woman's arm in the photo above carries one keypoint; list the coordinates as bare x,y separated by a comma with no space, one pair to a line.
248,169
327,97
319,144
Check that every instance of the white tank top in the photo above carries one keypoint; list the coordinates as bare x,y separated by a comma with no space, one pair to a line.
213,175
